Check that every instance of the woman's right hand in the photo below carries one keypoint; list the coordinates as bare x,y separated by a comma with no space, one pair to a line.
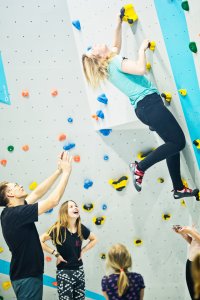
145,45
60,259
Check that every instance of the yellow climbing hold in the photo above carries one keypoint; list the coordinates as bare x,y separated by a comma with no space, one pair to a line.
33,185
166,217
183,92
152,45
183,202
1,249
138,242
6,285
148,66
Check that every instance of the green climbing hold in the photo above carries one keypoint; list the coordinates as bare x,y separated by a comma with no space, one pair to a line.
185,5
1,298
193,47
10,148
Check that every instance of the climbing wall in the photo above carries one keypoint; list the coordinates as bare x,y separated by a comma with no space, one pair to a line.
51,108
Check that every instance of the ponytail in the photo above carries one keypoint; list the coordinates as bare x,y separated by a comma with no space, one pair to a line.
123,283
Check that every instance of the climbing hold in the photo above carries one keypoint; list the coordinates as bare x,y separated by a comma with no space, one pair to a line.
1,249
33,185
102,98
106,157
102,255
54,283
105,132
48,258
6,285
120,183
49,211
10,148
98,220
160,180
183,202
99,114
104,207
62,137
89,48
54,93
138,242
183,92
197,143
193,47
25,148
166,217
167,96
185,5
148,66
3,162
77,158
128,14
198,196
77,24
69,146
70,120
142,155
88,207
87,184
25,93
184,182
152,45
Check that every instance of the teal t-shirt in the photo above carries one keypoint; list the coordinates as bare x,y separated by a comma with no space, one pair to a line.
136,87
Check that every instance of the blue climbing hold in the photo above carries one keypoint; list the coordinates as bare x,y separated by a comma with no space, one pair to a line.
104,207
77,24
70,120
102,98
105,132
106,157
69,146
100,114
89,48
88,183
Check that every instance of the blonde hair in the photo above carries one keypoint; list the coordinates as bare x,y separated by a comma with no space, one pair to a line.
96,68
196,276
119,259
62,223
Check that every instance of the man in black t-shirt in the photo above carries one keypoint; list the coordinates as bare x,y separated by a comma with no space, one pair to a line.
20,233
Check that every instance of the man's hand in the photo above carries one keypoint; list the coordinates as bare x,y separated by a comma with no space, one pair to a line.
65,162
186,230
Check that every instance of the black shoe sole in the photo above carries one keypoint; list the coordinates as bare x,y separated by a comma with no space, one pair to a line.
185,195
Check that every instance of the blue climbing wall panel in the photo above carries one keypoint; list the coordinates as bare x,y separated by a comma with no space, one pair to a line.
4,96
175,32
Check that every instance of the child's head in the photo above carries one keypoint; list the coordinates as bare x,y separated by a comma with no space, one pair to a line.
119,259
95,64
68,212
196,275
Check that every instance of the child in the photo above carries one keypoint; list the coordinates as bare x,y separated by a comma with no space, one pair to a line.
122,284
67,235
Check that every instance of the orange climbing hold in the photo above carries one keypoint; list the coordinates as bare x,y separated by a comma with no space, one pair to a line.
54,93
54,283
77,158
62,137
25,93
48,258
3,162
25,148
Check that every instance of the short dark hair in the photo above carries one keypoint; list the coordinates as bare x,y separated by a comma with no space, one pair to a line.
3,199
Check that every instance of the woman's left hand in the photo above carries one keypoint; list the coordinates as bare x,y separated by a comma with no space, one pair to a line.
186,230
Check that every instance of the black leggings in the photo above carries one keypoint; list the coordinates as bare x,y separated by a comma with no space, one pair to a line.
152,112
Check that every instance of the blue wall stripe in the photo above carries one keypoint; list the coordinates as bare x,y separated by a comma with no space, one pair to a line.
175,33
5,267
4,96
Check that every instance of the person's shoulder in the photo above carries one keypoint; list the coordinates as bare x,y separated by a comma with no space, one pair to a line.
135,275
